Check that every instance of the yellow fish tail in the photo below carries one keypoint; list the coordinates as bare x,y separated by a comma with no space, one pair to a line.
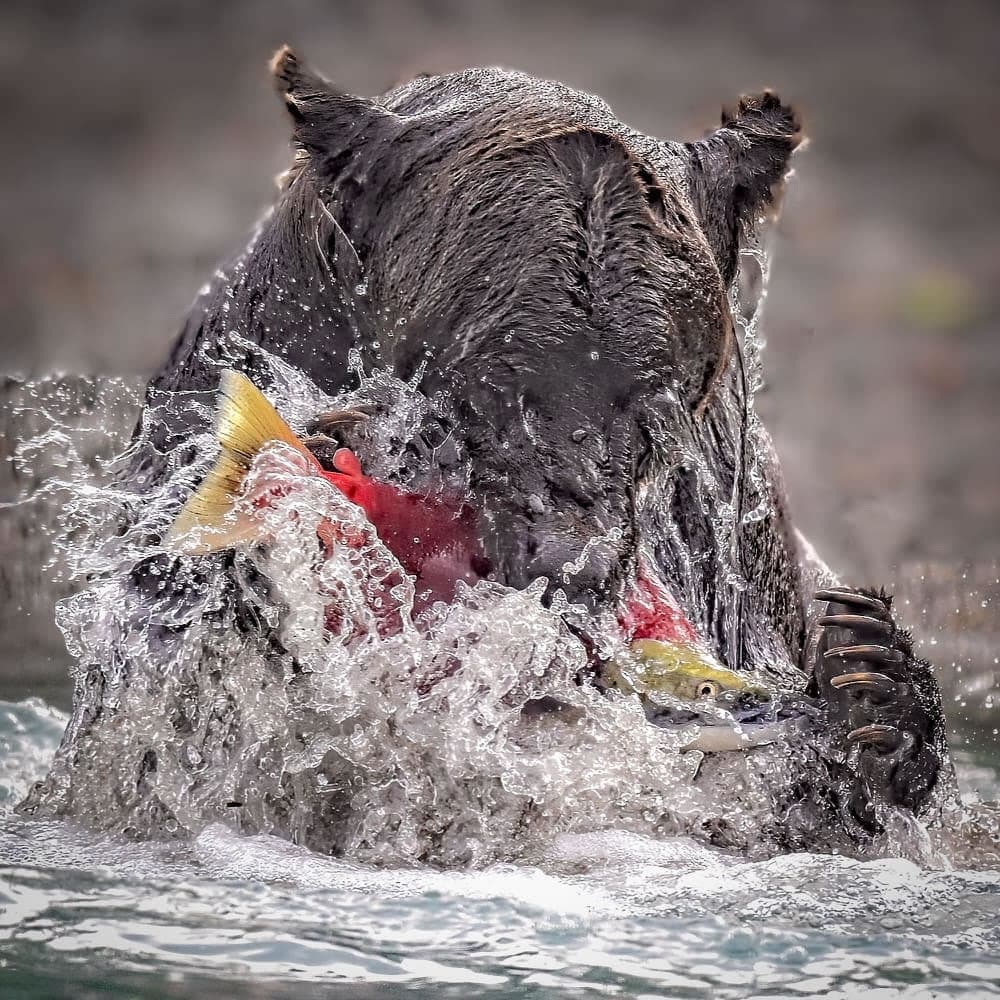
245,421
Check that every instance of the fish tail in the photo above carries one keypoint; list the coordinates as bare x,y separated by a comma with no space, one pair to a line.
244,422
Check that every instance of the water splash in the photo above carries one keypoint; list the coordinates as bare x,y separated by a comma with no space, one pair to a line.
585,909
216,689
220,690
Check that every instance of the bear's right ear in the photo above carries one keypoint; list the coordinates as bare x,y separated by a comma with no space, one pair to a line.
736,174
327,122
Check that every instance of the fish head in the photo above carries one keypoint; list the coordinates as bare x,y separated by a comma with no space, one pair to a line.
684,689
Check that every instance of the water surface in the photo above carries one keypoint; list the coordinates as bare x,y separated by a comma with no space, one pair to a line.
605,914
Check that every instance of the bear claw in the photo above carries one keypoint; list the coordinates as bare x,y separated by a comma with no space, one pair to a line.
868,680
872,627
887,738
336,420
880,654
854,598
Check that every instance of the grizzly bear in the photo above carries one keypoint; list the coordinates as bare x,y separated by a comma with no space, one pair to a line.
562,289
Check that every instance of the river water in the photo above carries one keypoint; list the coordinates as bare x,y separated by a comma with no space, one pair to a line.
603,914
598,903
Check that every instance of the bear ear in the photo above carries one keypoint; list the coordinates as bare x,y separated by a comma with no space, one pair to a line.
326,121
737,173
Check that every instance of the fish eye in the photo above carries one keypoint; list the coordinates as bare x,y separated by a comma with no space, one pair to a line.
707,689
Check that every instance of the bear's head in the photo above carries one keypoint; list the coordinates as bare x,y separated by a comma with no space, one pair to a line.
558,276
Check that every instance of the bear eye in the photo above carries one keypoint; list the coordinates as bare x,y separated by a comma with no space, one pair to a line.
708,689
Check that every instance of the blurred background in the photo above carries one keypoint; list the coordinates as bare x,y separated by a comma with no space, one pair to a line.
142,139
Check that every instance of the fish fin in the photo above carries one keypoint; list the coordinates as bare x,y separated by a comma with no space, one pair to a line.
245,422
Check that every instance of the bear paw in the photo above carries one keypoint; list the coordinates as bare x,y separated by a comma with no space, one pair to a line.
884,706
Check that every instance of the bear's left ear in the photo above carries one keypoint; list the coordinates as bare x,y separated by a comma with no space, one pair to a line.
327,122
736,174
